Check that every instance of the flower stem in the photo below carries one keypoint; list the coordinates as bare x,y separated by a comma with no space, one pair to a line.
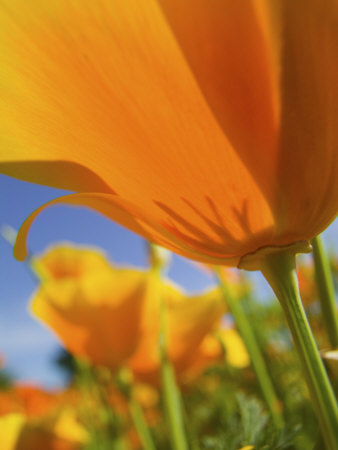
171,393
279,269
256,356
325,290
140,424
125,382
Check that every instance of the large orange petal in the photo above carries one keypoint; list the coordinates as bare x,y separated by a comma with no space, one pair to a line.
105,86
308,161
218,155
232,49
268,70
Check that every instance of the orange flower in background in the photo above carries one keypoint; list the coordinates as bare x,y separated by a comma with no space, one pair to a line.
61,433
29,400
97,312
307,283
112,316
63,262
224,345
188,320
32,419
208,127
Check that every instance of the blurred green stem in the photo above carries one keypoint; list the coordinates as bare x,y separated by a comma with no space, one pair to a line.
171,393
253,348
140,424
125,382
173,402
279,269
325,290
83,382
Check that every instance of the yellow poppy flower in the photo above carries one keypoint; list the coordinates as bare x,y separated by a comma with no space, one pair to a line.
97,315
208,127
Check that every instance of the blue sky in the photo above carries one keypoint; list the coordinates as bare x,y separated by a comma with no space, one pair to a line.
27,346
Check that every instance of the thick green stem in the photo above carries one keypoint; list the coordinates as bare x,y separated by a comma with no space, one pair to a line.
140,424
256,356
325,290
280,271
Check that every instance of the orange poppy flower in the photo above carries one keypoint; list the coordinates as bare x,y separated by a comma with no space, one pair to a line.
66,262
32,418
208,127
188,320
111,316
95,309
225,345
30,400
307,283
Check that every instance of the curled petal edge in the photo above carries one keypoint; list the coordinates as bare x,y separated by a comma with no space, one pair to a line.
127,215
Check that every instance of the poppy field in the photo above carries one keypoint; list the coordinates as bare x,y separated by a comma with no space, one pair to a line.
210,129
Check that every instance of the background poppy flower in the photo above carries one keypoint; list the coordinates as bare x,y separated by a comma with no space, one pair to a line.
60,433
188,320
32,418
111,316
96,313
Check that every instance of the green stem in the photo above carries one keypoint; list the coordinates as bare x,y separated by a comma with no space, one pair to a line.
83,383
279,269
171,393
325,290
124,381
256,356
140,424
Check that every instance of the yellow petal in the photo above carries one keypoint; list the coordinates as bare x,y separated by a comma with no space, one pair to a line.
236,353
11,426
68,428
67,261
